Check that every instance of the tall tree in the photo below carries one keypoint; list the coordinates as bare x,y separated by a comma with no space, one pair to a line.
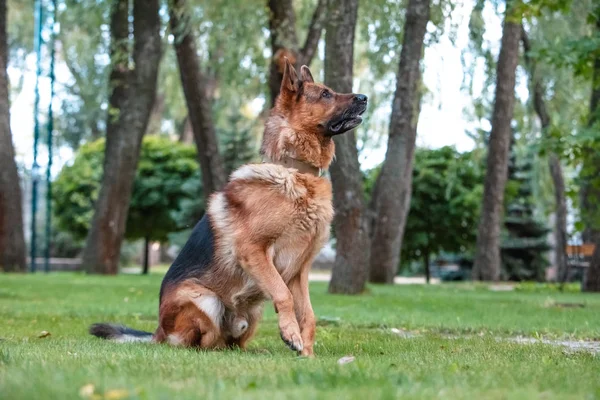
133,91
167,187
198,97
523,249
592,279
12,239
560,199
350,222
391,199
284,39
487,259
444,206
591,178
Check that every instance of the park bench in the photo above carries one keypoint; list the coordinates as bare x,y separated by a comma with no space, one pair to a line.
578,259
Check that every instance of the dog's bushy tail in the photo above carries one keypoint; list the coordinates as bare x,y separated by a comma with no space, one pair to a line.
119,333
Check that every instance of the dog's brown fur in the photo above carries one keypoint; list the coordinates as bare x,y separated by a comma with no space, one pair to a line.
269,223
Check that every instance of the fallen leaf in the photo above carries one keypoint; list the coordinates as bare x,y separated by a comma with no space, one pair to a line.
346,360
44,334
87,390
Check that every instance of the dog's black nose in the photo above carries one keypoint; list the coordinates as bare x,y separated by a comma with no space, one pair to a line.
360,98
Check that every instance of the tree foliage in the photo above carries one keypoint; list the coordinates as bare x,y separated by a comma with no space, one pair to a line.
525,240
166,196
234,52
84,40
444,211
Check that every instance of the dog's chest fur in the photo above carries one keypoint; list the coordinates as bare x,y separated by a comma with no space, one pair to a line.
268,205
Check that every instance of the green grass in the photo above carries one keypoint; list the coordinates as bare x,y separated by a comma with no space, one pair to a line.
456,353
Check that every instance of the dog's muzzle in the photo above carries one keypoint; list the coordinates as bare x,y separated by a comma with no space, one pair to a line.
350,118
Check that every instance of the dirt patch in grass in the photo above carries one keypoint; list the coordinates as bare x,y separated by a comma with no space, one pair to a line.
591,346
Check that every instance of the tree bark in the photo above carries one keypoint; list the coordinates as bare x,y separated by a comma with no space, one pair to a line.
391,200
284,39
560,225
315,29
199,103
12,238
131,101
146,256
591,184
592,279
487,259
350,222
156,115
187,134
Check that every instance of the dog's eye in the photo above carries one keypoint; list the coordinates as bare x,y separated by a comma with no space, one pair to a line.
326,94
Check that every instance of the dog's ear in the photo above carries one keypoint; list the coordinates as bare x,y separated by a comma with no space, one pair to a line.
290,81
305,75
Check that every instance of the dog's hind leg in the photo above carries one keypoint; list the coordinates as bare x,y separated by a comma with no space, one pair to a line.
193,328
190,317
255,261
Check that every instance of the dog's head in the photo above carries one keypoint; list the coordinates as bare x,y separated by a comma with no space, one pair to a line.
306,116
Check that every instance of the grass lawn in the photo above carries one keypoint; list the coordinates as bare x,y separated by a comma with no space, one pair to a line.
455,353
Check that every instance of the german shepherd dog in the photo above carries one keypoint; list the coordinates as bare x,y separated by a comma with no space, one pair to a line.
260,234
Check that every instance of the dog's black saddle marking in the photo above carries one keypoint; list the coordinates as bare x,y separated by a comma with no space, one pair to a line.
195,257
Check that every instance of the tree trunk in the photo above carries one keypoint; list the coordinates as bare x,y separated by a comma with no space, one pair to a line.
164,257
591,160
591,182
199,103
187,133
560,225
592,279
146,256
350,222
12,238
284,39
426,265
156,115
487,259
131,101
391,200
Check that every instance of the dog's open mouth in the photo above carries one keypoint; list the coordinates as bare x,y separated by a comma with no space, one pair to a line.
347,122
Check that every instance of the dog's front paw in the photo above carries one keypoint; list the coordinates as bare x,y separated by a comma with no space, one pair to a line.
307,352
290,334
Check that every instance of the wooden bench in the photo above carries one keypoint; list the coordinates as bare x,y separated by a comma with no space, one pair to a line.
578,259
585,250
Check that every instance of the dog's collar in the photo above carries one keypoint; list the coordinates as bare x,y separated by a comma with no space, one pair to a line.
302,166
